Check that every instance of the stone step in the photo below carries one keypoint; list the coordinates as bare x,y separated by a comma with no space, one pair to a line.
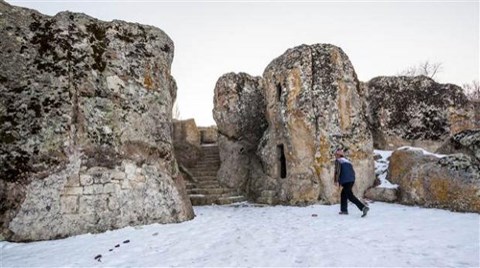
202,183
209,166
209,163
213,177
209,186
203,169
231,199
204,173
206,178
202,200
210,191
209,182
210,150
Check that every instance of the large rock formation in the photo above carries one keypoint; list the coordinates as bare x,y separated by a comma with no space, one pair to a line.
466,142
239,111
450,182
312,107
415,111
85,134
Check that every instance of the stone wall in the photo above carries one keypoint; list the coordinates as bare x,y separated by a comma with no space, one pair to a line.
186,131
186,140
313,107
415,111
85,126
208,134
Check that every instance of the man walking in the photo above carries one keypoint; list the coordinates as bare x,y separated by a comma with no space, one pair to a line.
345,176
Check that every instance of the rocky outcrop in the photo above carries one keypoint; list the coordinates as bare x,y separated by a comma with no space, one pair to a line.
239,111
466,142
313,106
415,111
450,182
186,140
208,134
85,134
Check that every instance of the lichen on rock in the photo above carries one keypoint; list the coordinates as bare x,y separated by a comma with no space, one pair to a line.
85,144
449,181
415,111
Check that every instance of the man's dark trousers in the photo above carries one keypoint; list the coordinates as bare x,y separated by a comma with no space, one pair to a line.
348,194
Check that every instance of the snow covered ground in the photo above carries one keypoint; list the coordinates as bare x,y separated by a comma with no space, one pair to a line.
391,235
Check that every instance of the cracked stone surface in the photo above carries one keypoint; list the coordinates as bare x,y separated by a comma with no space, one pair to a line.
85,126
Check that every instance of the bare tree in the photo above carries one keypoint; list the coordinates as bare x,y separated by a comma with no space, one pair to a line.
176,111
426,68
472,90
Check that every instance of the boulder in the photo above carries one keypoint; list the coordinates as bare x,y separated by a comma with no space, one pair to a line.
208,134
186,140
382,194
441,181
313,106
415,111
239,111
466,142
85,126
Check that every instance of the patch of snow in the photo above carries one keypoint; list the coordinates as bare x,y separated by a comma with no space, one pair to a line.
381,168
425,152
228,236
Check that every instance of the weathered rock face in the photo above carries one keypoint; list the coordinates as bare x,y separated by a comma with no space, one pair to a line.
313,106
450,182
186,140
208,134
476,109
85,135
466,142
415,111
239,111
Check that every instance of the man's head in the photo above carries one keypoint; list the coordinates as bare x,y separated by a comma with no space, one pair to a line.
339,153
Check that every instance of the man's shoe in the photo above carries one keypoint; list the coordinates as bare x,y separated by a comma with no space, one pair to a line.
343,213
365,211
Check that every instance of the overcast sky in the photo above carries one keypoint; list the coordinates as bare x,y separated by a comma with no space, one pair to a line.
216,37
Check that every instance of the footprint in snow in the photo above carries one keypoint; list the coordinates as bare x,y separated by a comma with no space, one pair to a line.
99,256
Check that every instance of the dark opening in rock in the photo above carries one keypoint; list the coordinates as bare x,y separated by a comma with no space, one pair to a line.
279,92
282,162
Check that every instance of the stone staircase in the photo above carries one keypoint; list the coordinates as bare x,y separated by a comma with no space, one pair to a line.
206,190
